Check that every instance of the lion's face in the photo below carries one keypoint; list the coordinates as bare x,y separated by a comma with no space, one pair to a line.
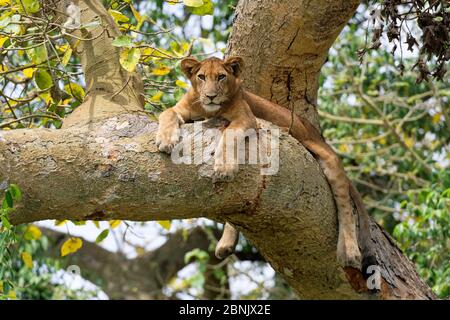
215,80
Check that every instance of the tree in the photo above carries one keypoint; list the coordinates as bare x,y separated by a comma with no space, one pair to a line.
105,165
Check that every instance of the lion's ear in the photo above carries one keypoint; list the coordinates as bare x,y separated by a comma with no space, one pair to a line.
236,64
188,65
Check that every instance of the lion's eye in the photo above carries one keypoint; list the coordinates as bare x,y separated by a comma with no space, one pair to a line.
221,77
201,77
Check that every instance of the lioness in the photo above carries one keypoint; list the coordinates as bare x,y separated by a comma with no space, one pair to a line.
217,91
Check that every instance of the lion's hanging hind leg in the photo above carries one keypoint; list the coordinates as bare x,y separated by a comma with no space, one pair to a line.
227,242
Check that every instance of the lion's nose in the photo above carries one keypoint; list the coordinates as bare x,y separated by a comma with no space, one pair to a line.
211,97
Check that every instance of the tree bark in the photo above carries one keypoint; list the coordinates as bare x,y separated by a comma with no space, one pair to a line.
111,169
140,278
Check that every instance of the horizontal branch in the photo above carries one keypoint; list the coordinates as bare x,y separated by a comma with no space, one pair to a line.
150,272
113,170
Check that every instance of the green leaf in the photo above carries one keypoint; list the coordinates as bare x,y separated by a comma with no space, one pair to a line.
102,236
38,54
43,79
197,280
129,58
122,41
8,199
197,254
66,57
15,192
193,3
6,288
29,6
5,222
206,9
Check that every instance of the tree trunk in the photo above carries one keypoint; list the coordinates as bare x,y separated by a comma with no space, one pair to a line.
111,169
284,44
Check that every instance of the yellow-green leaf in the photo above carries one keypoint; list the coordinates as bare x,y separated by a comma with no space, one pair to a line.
206,8
165,224
5,2
409,141
27,259
3,40
32,233
138,17
139,250
66,57
344,148
75,90
63,48
71,245
129,58
96,223
436,118
114,223
181,84
118,16
193,3
28,72
59,223
12,295
157,96
161,71
38,54
46,96
29,6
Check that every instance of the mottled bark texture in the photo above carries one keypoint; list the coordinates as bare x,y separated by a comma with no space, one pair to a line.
111,169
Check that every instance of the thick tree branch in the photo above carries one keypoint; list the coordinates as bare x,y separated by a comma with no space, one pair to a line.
140,278
116,172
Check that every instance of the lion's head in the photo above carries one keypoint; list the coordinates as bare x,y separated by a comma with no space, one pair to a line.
216,81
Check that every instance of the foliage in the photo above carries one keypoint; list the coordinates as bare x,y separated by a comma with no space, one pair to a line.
25,271
41,79
395,19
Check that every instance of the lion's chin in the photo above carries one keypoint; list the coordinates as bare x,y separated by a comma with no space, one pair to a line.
211,107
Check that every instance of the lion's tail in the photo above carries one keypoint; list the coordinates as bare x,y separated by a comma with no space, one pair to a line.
364,234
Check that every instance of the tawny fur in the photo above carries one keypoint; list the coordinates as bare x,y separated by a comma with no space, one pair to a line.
217,91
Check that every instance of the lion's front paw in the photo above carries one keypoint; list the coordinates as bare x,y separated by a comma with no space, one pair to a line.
167,139
348,253
225,172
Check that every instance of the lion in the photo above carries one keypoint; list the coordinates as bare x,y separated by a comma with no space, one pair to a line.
217,91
